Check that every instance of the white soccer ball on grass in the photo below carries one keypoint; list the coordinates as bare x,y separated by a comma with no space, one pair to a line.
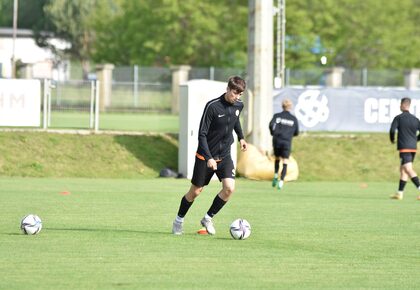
240,229
31,224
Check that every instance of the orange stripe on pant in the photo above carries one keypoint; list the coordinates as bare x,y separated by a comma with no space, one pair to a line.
201,157
408,150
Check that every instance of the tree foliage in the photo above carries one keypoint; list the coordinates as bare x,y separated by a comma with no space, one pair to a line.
73,20
356,33
31,14
351,33
163,32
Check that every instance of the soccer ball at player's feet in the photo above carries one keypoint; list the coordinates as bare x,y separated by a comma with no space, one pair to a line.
240,229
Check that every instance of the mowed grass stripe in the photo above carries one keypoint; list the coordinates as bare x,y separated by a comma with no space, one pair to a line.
109,234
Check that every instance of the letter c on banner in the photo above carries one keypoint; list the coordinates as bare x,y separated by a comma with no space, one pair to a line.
384,111
371,110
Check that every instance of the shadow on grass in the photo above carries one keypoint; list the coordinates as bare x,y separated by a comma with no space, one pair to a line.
155,152
193,235
94,230
106,231
166,233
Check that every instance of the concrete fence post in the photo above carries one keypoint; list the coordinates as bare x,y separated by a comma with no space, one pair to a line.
412,78
104,76
179,77
334,77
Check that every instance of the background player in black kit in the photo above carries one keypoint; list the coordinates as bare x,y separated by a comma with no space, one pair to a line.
219,119
283,127
408,126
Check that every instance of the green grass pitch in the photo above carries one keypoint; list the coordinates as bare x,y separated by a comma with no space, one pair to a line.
117,121
115,234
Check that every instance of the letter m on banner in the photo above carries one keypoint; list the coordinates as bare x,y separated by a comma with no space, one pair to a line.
20,103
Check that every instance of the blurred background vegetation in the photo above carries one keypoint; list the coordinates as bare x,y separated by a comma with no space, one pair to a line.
354,34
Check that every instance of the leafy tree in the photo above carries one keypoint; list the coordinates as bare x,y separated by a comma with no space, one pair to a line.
164,32
414,38
351,33
368,33
300,35
6,13
73,20
368,36
30,14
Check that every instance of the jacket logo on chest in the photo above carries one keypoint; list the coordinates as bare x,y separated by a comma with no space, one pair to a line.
285,122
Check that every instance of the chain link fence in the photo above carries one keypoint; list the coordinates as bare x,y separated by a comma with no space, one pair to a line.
141,89
351,77
140,100
71,104
141,96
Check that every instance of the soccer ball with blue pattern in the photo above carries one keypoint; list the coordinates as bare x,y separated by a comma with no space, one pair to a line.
31,224
240,229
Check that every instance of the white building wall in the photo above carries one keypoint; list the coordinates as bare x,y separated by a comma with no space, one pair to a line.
27,51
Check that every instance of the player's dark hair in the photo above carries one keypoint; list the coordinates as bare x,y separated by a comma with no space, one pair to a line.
237,84
405,101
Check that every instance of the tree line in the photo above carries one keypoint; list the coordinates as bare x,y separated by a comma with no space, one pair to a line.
354,34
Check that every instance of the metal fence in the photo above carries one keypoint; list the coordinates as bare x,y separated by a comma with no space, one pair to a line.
141,89
351,77
151,77
376,78
75,105
141,96
71,104
149,89
215,74
141,99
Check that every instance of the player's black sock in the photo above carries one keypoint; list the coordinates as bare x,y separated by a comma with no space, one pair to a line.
276,166
402,185
184,207
283,171
416,181
217,205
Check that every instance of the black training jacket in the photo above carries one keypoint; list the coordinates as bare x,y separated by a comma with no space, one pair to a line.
407,126
283,126
219,119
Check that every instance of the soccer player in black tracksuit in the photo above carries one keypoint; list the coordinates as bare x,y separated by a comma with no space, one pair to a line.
283,126
407,126
219,119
